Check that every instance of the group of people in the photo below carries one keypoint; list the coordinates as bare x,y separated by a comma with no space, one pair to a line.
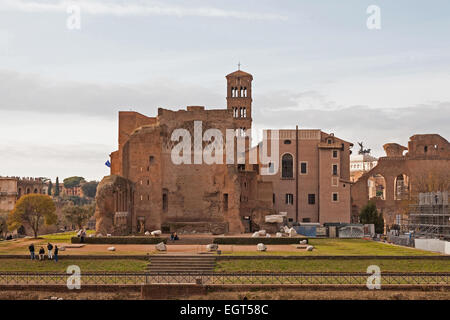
81,234
174,236
51,251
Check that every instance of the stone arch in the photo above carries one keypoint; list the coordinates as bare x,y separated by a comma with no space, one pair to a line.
376,186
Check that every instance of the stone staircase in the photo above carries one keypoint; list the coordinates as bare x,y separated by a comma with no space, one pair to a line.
181,263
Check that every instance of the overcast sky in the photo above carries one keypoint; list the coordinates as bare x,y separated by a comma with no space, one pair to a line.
315,64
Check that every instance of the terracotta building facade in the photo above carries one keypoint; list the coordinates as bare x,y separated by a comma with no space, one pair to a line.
147,190
319,164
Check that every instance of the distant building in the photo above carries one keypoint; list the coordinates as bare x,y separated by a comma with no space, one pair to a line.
8,194
361,163
13,188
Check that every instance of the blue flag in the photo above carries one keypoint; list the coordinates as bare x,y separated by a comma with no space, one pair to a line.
108,164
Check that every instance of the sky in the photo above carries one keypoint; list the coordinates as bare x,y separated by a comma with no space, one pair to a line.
315,64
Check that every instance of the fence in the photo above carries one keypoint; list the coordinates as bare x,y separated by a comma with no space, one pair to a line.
217,278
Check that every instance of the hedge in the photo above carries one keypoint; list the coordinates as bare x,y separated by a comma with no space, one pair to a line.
218,240
251,241
119,240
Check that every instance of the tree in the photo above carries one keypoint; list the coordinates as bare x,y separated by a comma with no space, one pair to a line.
78,215
57,187
73,182
369,215
50,187
33,210
90,189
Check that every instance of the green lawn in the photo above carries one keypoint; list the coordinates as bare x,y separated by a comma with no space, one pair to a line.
330,265
129,265
64,236
336,247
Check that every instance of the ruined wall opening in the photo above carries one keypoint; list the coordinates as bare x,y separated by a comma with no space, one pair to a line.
165,200
401,187
225,201
377,187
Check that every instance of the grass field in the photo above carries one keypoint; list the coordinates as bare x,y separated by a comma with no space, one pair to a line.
333,265
337,247
64,236
322,247
129,265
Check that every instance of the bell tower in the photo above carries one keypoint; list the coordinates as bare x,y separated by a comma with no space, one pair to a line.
239,97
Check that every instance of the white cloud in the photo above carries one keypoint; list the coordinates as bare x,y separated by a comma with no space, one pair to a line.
132,8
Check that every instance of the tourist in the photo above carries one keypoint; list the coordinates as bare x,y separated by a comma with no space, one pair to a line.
31,248
172,236
175,236
83,235
56,253
50,248
41,253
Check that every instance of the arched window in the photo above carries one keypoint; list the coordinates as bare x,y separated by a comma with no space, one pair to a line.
287,165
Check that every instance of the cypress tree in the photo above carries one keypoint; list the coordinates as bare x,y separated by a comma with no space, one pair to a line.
57,187
50,187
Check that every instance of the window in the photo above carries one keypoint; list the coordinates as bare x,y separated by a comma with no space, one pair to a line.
287,141
311,198
289,198
287,166
335,154
306,220
241,167
425,149
335,197
303,167
273,198
335,169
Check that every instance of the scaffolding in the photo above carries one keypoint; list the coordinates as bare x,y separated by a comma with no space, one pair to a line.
430,218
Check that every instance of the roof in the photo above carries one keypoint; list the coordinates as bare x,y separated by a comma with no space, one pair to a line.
239,73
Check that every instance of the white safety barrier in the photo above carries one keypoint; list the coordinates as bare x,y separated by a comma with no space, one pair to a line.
434,245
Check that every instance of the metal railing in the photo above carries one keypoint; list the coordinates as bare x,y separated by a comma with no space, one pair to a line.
219,278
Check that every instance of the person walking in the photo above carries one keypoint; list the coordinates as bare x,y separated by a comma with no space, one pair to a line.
50,253
55,254
31,248
41,253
